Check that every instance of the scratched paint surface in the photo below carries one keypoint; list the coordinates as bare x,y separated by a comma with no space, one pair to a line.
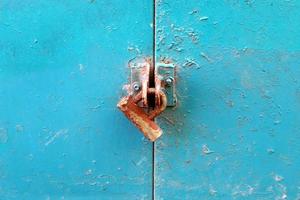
62,67
235,133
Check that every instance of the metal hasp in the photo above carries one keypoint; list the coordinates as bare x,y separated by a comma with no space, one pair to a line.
149,93
166,73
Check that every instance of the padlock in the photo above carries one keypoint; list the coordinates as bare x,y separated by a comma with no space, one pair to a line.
148,95
138,116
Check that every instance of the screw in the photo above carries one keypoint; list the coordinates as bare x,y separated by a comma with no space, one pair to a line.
136,86
169,80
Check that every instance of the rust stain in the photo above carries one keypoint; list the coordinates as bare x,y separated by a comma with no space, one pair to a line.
139,118
145,74
161,105
146,99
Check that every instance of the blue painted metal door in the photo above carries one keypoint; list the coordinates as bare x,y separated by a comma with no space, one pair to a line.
235,133
61,70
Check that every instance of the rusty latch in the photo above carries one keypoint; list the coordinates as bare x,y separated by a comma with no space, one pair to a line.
149,93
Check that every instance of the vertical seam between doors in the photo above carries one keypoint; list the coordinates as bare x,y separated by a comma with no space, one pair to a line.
153,60
153,171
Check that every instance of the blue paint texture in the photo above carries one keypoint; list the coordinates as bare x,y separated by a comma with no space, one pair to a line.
62,67
235,133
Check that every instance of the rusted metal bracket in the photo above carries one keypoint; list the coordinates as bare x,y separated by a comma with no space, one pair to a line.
165,72
149,93
164,79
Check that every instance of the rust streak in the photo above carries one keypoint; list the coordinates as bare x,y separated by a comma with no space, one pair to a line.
140,119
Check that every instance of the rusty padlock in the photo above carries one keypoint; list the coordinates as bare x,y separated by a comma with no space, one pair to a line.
138,107
138,116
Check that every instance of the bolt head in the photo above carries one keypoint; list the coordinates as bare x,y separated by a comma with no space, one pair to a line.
169,80
136,86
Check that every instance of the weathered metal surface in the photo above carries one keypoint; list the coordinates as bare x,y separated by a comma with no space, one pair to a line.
235,132
136,106
61,67
165,75
140,118
162,103
140,73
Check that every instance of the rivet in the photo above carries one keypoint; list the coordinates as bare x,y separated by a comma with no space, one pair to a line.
136,86
169,80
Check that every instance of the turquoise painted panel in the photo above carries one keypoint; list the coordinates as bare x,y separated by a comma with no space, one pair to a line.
62,67
235,133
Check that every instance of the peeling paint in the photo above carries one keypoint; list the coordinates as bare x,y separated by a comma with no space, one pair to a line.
56,135
3,135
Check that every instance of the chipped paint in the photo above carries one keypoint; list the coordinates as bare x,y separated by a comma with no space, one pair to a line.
234,132
56,135
61,135
3,135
